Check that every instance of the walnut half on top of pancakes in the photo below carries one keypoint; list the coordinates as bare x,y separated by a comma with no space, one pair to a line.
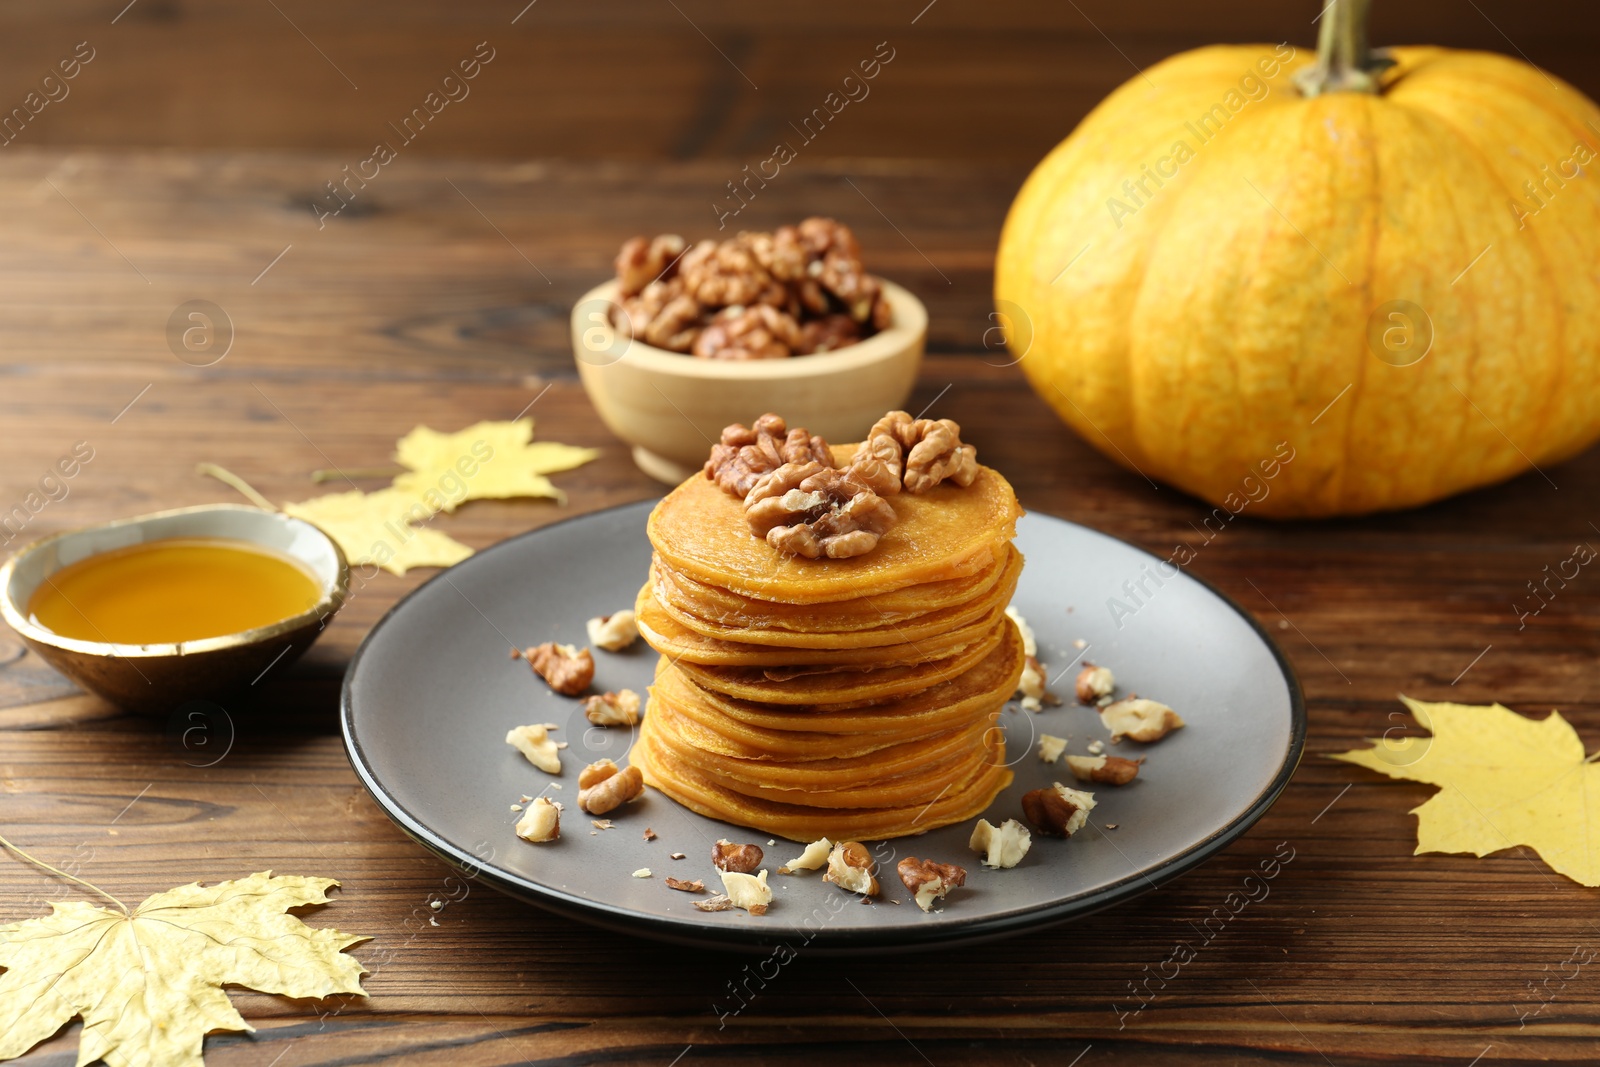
802,504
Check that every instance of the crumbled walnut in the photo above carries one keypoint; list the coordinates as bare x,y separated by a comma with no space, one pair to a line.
613,709
569,670
684,886
679,856
721,273
1057,811
930,451
727,856
806,509
643,872
1139,719
664,315
827,333
811,857
745,333
1001,846
1031,685
603,786
850,867
1107,770
1093,683
715,902
747,891
541,822
614,632
928,881
649,834
1096,747
1051,747
743,455
534,742
602,824
643,261
1030,645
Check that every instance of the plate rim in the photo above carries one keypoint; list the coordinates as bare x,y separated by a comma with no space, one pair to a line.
697,933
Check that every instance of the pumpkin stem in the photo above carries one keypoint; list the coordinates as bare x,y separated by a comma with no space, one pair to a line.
1345,62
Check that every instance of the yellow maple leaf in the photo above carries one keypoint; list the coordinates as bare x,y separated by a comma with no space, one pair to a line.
148,982
381,528
1504,780
489,460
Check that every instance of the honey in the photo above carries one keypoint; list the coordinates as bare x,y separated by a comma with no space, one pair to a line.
177,589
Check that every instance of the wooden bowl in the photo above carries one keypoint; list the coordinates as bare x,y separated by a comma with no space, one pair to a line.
672,407
157,678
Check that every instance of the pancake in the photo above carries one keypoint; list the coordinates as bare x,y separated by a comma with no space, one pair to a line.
714,603
677,642
785,729
920,630
945,533
850,686
961,798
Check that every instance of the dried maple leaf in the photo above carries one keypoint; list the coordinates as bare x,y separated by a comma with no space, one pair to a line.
1504,780
378,528
149,983
490,460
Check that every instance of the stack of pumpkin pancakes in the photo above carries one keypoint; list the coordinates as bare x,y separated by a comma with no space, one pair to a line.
846,698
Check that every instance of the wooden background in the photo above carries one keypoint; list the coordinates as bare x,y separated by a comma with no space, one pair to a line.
180,168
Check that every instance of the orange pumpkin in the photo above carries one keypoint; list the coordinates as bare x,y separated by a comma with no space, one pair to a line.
1318,285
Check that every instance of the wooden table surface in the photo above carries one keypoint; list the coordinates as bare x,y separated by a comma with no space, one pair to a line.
441,298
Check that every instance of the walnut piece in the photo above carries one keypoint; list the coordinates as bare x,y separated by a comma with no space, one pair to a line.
603,786
569,670
1093,683
540,822
643,261
727,856
743,455
715,902
811,857
929,451
664,315
928,881
720,273
614,632
1139,719
534,742
834,260
850,867
1001,846
1051,747
747,891
806,509
1107,770
613,709
1030,644
1057,811
1031,685
745,333
685,886
643,872
827,333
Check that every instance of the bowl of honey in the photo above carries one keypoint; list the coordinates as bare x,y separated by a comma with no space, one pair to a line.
154,611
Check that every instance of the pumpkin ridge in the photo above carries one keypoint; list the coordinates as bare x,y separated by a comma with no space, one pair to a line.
1541,255
1374,228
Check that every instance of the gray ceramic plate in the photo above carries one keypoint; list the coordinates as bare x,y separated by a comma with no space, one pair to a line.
431,693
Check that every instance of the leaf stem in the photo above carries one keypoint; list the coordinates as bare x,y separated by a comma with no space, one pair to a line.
228,478
328,474
37,862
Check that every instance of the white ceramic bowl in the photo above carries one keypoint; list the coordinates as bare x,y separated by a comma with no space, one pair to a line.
159,677
671,407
